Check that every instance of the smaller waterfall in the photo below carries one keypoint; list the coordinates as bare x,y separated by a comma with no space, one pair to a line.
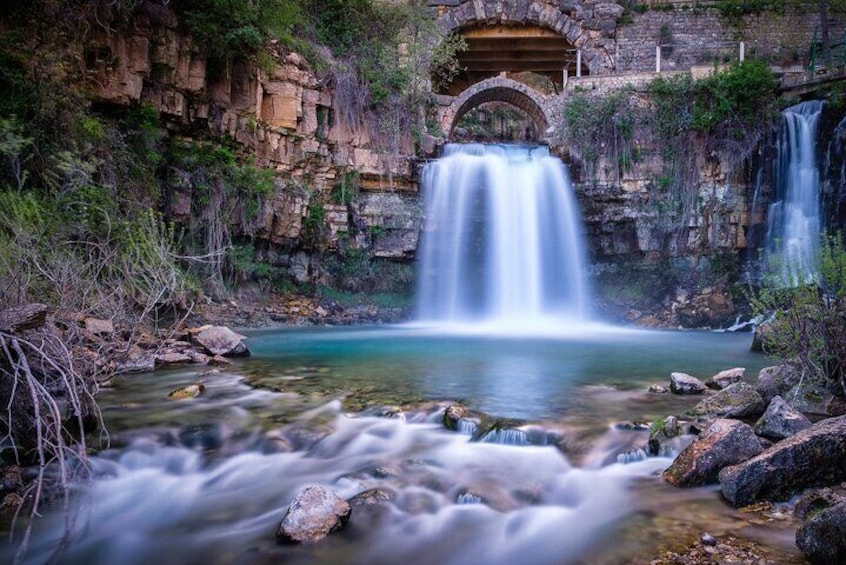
502,244
793,225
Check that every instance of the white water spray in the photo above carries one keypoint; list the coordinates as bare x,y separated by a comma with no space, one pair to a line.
502,245
793,225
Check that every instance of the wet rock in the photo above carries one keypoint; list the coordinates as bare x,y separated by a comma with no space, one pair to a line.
776,380
660,432
725,378
815,400
313,514
822,538
780,421
759,337
739,400
372,497
707,539
814,500
220,340
682,383
658,389
391,412
204,437
468,496
815,456
189,391
725,442
458,419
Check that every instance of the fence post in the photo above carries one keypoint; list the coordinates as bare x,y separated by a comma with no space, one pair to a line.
742,51
657,58
579,63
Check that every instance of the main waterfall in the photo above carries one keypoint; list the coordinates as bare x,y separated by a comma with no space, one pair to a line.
501,242
793,219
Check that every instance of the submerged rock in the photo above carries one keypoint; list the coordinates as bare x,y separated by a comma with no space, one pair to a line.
725,378
682,383
739,400
189,391
372,497
313,514
815,456
725,442
220,340
781,421
822,538
458,419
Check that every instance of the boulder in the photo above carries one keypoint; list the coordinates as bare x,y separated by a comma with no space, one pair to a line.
220,340
371,497
97,326
815,400
822,538
780,421
682,383
313,514
815,456
776,380
725,378
136,360
725,442
21,318
739,400
172,358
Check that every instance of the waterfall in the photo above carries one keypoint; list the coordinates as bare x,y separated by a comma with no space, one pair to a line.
501,241
793,224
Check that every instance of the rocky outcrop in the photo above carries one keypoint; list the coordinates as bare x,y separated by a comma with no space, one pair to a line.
822,538
815,456
781,421
739,400
725,442
682,383
776,381
313,514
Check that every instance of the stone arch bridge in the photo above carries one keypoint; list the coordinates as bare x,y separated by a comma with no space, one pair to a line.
507,39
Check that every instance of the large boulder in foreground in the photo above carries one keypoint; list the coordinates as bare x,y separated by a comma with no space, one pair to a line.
814,457
220,340
739,400
313,514
781,421
823,537
682,383
725,442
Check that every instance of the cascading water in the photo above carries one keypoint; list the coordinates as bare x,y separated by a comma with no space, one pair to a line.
501,244
793,225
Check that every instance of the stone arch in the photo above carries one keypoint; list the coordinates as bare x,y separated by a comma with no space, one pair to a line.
573,24
498,89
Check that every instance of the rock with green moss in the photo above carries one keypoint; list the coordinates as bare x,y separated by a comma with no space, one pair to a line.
739,400
822,538
781,421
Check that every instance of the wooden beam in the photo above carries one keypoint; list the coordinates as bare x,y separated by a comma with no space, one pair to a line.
519,44
501,31
518,66
470,56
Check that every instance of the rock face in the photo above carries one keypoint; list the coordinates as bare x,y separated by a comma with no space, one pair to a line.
781,421
823,537
739,400
725,378
314,513
682,383
815,456
220,340
724,443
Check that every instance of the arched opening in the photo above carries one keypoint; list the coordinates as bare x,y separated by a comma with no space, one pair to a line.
501,92
534,55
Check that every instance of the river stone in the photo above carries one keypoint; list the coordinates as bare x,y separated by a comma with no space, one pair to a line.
725,442
822,538
725,378
372,497
682,383
775,380
815,456
780,421
220,340
313,514
739,400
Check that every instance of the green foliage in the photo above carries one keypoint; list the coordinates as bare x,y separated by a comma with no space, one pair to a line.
598,126
344,190
808,323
